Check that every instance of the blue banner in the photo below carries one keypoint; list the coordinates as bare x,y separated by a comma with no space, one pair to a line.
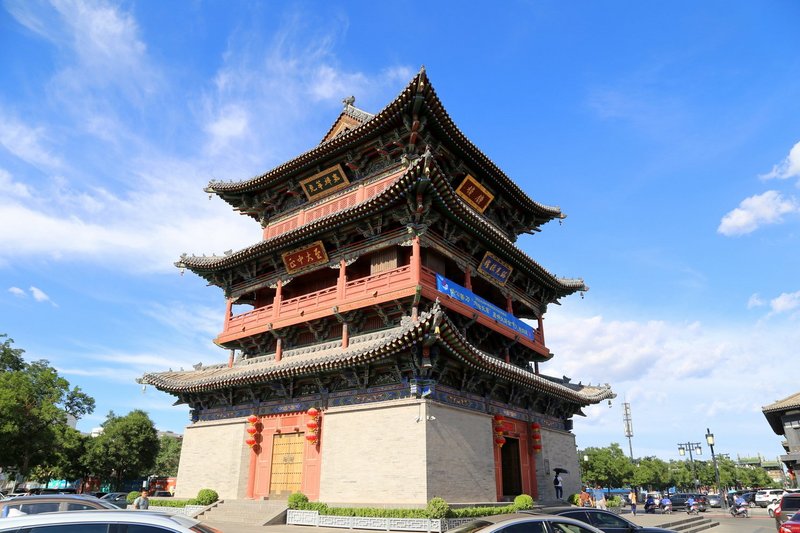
467,297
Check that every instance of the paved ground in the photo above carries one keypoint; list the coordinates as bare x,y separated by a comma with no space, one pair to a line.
760,522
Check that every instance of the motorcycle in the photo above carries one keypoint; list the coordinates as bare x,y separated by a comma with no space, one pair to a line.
693,508
666,508
740,510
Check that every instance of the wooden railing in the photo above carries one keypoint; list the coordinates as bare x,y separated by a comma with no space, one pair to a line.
378,288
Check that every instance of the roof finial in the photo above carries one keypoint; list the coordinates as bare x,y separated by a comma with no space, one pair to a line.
349,101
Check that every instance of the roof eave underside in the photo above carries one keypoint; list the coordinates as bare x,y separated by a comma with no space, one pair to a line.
448,337
389,117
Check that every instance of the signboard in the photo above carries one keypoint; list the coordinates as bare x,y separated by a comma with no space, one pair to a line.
324,183
475,194
467,297
301,258
495,268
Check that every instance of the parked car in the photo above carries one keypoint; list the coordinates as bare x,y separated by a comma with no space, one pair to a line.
605,521
765,497
792,525
50,503
771,508
162,494
679,500
527,523
714,500
788,506
103,521
117,499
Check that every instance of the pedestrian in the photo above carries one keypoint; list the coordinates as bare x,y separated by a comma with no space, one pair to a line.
599,498
142,502
632,498
585,498
559,485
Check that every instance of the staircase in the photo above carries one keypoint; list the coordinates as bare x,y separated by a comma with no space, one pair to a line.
247,512
690,524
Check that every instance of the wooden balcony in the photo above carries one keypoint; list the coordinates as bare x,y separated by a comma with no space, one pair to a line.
371,290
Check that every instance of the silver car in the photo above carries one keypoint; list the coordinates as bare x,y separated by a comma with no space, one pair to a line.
102,522
525,523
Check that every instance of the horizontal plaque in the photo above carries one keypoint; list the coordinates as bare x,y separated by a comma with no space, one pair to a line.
301,258
494,268
324,183
474,194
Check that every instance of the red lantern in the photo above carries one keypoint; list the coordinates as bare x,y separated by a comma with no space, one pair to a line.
312,438
313,412
499,418
252,430
500,440
252,419
250,441
537,448
313,425
536,426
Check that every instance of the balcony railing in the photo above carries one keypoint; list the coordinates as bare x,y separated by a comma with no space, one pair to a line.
378,288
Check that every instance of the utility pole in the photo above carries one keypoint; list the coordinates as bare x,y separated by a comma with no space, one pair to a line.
628,426
682,447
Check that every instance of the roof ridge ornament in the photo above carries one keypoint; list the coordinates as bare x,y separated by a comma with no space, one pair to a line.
349,101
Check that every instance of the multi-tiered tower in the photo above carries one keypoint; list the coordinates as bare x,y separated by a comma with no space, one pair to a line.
380,333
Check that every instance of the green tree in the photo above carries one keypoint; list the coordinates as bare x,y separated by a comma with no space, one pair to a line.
10,358
609,467
169,455
34,404
651,473
126,449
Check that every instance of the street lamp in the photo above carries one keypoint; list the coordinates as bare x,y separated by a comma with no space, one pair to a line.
710,441
682,447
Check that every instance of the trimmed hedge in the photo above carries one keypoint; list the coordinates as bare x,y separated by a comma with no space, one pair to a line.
207,497
132,495
437,508
172,503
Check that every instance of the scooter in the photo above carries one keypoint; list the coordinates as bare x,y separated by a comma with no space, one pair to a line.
666,508
693,509
740,510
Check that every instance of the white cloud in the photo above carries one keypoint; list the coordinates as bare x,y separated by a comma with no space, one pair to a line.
16,291
40,296
25,142
788,301
788,168
230,123
756,211
755,301
11,187
675,375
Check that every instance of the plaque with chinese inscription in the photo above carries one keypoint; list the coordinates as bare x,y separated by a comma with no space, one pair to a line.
301,258
494,268
475,194
324,183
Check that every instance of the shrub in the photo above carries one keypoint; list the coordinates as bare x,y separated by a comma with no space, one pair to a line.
207,497
132,495
171,503
475,512
297,500
574,499
615,501
437,508
523,501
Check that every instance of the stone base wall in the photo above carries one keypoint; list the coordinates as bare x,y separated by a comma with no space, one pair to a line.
558,450
460,450
374,453
214,456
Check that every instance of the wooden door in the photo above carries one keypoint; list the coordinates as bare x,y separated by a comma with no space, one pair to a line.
287,464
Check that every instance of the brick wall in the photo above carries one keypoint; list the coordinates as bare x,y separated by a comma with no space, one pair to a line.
214,456
558,450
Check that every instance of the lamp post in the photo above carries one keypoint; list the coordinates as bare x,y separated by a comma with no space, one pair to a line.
710,441
682,447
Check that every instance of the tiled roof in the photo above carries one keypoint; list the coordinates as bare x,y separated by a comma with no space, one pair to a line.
422,168
365,349
418,92
773,411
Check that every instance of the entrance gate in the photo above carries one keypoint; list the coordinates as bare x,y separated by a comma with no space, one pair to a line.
287,464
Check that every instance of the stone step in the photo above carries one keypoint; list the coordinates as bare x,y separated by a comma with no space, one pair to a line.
250,512
689,524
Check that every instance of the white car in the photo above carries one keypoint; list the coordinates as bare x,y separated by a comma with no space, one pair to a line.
767,496
99,521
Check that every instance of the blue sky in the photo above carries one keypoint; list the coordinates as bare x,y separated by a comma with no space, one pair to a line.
668,133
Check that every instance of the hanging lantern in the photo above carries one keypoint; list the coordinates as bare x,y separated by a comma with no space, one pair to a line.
252,419
252,430
499,440
536,435
536,426
312,438
313,412
250,441
313,425
499,418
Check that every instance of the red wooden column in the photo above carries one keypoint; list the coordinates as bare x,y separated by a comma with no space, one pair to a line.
541,328
341,285
416,271
468,278
276,303
228,313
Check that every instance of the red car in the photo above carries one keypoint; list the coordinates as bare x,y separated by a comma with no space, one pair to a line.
791,526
